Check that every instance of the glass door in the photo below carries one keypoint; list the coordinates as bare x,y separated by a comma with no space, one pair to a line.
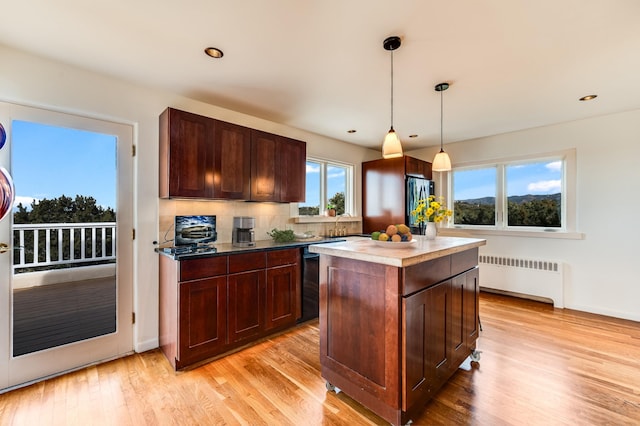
70,236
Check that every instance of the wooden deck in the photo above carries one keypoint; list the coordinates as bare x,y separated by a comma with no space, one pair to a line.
54,315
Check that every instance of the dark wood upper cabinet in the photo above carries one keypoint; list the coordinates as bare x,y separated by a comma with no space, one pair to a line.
277,168
232,161
384,188
264,170
201,157
186,155
292,169
418,168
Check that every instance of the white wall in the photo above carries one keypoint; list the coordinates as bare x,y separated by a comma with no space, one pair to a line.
601,274
35,81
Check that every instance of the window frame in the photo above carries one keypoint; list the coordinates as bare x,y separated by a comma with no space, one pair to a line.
501,227
349,193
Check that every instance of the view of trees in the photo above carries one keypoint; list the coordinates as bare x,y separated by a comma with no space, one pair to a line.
526,210
472,212
63,209
337,200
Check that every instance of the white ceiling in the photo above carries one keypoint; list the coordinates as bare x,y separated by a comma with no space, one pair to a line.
320,65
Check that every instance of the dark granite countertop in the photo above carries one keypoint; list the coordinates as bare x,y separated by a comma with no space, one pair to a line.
223,249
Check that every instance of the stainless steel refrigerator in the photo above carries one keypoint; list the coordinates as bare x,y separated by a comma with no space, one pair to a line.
416,189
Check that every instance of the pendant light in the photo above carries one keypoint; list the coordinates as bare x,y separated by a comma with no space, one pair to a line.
441,162
391,147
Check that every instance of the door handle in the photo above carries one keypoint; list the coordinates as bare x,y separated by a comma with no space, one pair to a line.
4,247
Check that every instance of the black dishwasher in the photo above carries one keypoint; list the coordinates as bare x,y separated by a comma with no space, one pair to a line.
310,285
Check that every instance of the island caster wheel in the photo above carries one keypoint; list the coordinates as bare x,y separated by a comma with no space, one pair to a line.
475,355
332,388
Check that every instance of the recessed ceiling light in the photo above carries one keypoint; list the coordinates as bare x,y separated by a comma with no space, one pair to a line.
588,97
351,131
214,52
413,136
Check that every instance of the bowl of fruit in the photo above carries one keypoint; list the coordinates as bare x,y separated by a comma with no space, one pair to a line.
395,236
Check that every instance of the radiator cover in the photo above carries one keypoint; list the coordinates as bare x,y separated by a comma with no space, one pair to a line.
523,276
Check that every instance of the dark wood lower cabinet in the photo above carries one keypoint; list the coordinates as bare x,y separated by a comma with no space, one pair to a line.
246,305
209,306
282,296
464,314
391,337
426,360
203,319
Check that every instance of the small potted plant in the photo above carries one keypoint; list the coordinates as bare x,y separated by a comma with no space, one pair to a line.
331,209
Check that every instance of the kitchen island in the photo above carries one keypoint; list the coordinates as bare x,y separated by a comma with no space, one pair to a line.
396,321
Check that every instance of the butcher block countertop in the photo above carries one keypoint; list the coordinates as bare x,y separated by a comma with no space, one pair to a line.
397,254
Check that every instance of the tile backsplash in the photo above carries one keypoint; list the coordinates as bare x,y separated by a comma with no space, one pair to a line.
267,215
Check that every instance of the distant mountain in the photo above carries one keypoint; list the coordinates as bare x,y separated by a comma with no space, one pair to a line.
518,199
483,200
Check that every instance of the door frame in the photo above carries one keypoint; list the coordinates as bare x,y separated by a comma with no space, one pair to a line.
28,368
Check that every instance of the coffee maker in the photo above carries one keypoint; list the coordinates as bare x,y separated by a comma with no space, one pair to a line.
243,235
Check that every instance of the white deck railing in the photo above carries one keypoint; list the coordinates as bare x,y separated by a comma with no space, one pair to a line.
64,243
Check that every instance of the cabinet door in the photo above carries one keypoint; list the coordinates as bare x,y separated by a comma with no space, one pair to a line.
264,169
465,290
459,302
203,313
186,155
282,296
232,161
415,167
425,342
383,192
292,170
246,305
471,311
277,168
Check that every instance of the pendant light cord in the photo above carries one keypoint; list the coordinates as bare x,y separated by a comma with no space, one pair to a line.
441,121
392,89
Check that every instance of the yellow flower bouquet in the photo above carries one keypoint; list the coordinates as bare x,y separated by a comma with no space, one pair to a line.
432,209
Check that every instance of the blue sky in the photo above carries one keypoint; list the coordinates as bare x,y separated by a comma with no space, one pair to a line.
531,178
336,181
49,161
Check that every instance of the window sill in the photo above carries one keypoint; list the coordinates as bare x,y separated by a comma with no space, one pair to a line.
458,232
326,219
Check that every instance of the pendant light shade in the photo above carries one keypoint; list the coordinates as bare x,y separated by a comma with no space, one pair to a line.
441,162
391,147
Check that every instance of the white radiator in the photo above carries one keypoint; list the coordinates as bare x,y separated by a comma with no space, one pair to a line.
527,277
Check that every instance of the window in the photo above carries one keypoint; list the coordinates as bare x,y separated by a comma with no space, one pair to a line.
327,183
523,194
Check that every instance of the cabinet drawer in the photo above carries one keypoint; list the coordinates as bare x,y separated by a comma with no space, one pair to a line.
463,261
246,262
203,268
423,275
282,257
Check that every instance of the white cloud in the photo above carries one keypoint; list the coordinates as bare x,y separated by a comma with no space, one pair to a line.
555,166
26,201
313,168
549,186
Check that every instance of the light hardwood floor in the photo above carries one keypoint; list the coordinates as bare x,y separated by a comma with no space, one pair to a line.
539,366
